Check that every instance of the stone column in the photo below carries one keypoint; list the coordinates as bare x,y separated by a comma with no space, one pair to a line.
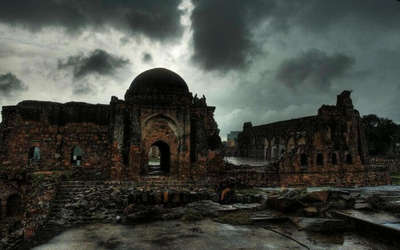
3,208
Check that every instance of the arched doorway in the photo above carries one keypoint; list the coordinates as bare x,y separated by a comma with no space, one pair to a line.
14,205
159,159
34,154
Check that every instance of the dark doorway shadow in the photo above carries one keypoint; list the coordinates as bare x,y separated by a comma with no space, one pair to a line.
159,159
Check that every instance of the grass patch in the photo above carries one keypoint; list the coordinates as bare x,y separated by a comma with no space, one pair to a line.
192,215
395,178
235,218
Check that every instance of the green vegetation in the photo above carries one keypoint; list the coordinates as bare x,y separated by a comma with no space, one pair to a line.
382,134
395,178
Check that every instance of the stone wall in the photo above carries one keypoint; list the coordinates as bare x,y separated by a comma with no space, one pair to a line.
26,201
114,139
271,176
393,164
326,149
55,130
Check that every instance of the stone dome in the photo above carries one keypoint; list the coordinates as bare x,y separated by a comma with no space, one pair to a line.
157,81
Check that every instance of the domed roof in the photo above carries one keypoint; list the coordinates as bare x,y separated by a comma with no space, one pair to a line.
157,81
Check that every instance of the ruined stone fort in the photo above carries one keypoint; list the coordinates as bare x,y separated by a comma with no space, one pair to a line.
48,149
327,149
113,141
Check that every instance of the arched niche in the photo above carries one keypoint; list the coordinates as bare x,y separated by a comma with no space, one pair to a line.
76,156
334,158
291,144
172,123
349,158
303,160
14,205
320,159
34,154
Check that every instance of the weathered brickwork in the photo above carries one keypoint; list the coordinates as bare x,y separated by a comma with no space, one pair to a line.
55,138
114,139
327,149
55,141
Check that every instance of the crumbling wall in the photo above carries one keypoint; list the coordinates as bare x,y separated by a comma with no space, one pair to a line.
206,146
327,149
55,129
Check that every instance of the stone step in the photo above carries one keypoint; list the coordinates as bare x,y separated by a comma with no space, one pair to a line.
150,181
77,190
63,193
80,186
84,184
74,189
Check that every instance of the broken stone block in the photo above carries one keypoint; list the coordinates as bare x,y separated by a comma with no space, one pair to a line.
248,206
362,205
321,196
129,209
311,211
283,204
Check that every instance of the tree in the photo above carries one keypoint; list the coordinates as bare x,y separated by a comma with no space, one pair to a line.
382,134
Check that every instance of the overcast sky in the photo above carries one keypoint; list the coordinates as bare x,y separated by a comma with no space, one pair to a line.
258,60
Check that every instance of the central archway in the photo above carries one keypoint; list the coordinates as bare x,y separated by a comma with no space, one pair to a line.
159,159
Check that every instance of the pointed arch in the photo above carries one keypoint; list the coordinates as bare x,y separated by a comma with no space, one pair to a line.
172,123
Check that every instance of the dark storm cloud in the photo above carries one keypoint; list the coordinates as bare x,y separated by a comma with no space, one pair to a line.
10,85
147,57
319,15
313,67
222,31
158,19
97,62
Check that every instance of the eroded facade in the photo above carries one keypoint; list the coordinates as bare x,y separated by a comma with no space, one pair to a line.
325,149
113,141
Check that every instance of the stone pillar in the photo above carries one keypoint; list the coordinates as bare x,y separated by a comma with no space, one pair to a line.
135,162
116,163
3,208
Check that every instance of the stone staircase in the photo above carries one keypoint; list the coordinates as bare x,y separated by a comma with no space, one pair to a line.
64,207
66,193
69,190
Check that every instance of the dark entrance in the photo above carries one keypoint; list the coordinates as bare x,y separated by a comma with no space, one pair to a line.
159,159
14,205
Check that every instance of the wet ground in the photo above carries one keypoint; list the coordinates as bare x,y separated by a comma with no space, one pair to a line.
246,161
375,189
205,234
378,218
